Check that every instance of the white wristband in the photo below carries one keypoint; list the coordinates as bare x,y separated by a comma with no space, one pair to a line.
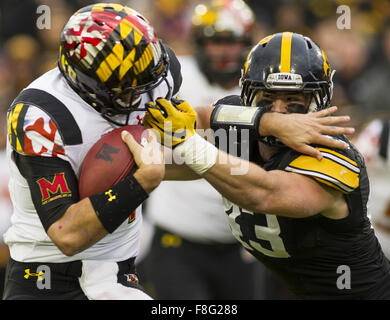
197,153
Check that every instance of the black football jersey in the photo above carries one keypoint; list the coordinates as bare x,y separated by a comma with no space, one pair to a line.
319,257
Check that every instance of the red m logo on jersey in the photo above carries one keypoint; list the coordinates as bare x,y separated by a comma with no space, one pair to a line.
58,188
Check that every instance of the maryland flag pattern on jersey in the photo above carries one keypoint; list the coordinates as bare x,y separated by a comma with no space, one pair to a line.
31,131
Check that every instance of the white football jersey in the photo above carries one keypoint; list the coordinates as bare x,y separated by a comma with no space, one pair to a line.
374,144
26,238
192,209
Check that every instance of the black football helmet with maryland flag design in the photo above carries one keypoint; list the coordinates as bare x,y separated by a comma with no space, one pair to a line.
110,55
288,62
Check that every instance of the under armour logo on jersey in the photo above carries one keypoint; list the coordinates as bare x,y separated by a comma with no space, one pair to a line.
105,152
43,275
111,197
33,274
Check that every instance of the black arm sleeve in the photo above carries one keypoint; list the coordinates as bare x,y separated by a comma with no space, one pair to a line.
53,185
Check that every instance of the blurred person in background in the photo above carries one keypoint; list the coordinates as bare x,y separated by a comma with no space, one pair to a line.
290,16
25,48
373,92
17,17
193,254
171,19
22,52
48,38
350,51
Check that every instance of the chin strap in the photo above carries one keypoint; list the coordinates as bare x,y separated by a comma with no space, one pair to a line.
117,123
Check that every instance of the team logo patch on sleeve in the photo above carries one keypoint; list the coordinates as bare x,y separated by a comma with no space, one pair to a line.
55,189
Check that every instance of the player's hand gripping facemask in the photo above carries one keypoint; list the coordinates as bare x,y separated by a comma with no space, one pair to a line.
174,120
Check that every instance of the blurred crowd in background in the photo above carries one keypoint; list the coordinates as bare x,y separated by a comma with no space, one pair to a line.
360,55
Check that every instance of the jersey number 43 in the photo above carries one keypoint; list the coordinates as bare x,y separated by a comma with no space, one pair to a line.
252,239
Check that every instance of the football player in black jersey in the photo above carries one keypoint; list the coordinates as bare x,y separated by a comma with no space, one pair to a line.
304,218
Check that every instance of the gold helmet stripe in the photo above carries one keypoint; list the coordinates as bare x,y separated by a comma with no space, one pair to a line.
327,70
285,54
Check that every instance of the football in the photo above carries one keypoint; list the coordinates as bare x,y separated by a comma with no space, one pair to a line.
108,161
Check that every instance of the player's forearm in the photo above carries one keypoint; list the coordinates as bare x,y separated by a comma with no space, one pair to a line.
175,171
149,178
268,123
87,221
78,229
203,117
273,192
240,181
299,131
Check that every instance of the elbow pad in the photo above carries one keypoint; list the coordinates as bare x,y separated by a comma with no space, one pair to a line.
235,127
229,117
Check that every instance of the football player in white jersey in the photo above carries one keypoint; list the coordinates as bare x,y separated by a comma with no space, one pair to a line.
199,249
374,144
110,64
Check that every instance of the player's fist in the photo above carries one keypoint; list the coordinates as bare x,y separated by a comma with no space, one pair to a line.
174,120
149,159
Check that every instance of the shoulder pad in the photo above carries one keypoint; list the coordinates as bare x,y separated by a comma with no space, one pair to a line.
31,131
335,169
40,124
175,69
233,100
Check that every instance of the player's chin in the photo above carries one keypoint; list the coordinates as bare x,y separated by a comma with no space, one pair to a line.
136,102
